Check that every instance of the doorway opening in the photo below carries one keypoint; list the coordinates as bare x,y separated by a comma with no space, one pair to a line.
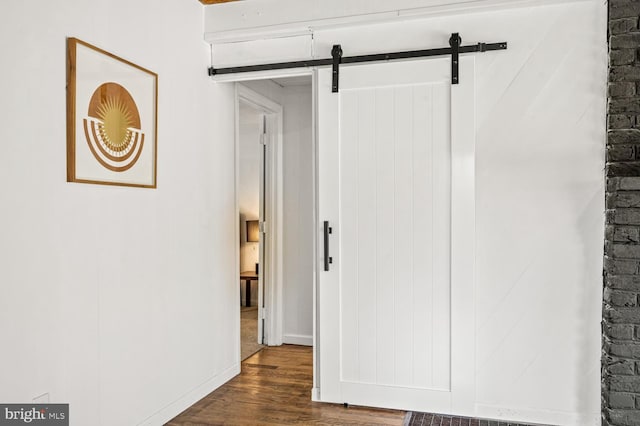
275,186
250,194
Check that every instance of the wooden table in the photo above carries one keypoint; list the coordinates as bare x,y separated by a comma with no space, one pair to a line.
248,276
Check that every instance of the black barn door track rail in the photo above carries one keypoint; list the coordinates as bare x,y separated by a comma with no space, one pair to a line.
454,49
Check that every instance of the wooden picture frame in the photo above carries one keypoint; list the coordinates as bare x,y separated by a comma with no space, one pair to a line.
112,109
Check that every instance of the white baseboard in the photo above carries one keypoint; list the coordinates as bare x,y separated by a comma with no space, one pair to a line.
532,416
186,401
297,339
315,394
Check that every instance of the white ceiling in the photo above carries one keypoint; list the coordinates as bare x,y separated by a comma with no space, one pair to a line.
301,80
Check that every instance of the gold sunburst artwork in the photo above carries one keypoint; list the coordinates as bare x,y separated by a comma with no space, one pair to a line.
112,128
116,119
111,119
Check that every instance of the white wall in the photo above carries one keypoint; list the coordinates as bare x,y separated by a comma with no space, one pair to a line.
298,215
113,298
540,118
297,207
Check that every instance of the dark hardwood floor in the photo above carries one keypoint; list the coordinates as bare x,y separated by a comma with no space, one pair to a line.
274,388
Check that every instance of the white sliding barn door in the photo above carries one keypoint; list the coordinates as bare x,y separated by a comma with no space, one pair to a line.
396,185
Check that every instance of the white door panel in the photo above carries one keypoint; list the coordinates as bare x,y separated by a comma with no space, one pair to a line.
385,185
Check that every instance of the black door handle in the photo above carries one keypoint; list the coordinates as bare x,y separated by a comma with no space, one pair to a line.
327,260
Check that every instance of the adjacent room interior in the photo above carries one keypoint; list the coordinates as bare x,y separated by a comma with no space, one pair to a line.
249,187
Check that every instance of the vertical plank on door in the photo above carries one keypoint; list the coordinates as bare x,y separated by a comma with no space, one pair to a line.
423,239
385,226
348,234
367,267
441,305
403,214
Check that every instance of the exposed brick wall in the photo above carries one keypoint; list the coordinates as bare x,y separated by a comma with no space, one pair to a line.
621,310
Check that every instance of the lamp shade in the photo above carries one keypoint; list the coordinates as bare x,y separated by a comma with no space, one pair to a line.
253,231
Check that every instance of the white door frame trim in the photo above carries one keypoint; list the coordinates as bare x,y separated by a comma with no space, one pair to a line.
274,190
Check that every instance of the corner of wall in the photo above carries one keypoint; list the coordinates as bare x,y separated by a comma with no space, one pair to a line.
621,305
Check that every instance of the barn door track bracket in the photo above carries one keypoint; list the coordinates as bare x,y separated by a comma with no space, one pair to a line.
455,49
454,42
336,56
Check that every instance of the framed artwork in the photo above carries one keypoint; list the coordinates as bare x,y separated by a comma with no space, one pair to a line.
112,107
